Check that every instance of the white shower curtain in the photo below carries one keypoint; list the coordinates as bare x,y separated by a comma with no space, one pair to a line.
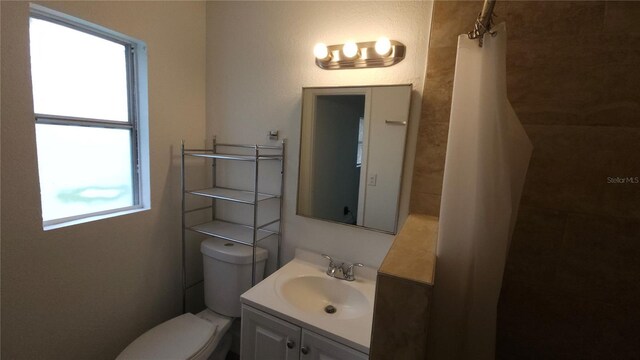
487,157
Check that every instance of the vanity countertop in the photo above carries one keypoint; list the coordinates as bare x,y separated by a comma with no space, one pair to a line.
412,255
353,331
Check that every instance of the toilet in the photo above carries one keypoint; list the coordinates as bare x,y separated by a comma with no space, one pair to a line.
227,274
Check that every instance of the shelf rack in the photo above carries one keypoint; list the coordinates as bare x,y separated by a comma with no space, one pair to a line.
250,234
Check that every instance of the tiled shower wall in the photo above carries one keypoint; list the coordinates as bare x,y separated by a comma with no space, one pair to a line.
571,287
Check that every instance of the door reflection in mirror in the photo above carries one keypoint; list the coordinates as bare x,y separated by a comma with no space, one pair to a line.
336,172
351,156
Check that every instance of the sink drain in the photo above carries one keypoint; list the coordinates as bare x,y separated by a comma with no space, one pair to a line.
330,309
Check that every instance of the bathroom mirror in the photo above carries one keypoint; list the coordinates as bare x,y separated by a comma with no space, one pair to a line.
351,154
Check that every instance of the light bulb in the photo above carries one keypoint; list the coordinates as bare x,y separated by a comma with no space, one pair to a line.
350,49
383,46
321,51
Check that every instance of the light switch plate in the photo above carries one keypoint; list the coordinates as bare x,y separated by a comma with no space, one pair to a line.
372,179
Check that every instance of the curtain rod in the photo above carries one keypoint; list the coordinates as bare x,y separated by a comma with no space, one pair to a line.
484,22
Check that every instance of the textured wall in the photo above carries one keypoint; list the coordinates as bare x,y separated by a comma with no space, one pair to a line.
255,85
86,291
570,287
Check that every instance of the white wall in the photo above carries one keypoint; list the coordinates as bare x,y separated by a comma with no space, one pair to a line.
259,56
86,291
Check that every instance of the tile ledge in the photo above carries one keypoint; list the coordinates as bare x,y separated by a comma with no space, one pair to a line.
412,255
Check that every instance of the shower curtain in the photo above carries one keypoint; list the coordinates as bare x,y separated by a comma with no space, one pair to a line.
487,157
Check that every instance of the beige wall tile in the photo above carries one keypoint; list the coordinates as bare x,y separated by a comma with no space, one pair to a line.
534,249
615,113
535,323
442,61
622,82
542,19
429,165
413,253
622,17
423,203
403,292
569,86
599,259
400,320
570,167
437,98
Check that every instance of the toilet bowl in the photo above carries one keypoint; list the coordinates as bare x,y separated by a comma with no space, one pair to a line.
227,274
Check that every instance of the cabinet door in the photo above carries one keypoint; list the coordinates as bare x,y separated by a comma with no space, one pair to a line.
316,347
266,337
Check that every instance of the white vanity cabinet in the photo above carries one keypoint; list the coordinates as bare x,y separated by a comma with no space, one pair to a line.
265,337
317,347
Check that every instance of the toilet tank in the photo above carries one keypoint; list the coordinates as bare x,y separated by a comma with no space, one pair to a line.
227,273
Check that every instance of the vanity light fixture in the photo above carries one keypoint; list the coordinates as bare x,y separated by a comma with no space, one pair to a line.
321,51
350,50
350,55
383,46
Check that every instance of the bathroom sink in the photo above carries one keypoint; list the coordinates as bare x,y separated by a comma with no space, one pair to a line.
324,295
300,291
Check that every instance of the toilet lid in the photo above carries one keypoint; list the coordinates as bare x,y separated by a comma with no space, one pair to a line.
182,337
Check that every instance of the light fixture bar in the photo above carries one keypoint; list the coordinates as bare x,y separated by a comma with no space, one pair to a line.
367,57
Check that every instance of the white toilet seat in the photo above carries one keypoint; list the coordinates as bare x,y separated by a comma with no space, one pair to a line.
185,337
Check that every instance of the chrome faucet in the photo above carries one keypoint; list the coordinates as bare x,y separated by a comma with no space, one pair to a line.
343,271
349,275
331,270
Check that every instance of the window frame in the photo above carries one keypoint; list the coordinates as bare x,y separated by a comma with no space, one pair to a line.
137,122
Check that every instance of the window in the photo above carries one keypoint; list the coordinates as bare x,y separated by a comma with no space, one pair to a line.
89,98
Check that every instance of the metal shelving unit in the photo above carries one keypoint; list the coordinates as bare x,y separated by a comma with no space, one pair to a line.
246,234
